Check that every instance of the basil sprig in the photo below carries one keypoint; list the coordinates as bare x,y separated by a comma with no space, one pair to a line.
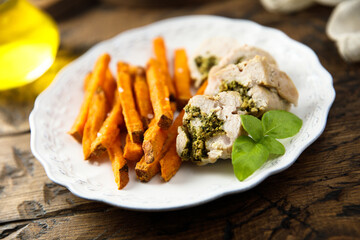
250,153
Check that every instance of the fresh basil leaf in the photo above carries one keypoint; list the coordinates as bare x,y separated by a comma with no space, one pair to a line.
247,156
280,124
273,145
253,126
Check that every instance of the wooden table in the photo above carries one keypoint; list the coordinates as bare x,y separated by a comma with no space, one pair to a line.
316,198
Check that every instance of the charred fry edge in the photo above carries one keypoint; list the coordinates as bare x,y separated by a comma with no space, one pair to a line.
131,116
154,140
109,129
144,171
160,54
159,94
97,114
142,96
119,164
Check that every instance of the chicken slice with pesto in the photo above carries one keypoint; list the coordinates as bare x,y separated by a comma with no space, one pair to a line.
210,126
241,54
271,84
246,81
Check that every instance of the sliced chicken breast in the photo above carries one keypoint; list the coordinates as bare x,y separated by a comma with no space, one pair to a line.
241,54
266,100
245,81
210,126
256,71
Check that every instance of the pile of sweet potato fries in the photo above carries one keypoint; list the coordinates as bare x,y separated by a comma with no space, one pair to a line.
143,102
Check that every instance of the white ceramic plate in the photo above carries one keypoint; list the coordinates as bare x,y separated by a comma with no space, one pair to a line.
56,108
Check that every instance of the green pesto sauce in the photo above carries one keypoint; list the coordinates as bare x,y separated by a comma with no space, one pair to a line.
210,126
248,104
186,153
204,64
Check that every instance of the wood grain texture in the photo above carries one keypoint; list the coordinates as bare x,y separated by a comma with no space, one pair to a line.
316,198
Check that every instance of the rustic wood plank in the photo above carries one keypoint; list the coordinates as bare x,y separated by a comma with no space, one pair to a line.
316,198
111,18
24,186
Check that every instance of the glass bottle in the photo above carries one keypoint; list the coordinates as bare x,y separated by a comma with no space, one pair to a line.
29,40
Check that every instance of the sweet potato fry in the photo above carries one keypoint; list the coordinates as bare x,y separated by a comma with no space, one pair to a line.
145,171
172,132
109,87
154,139
182,78
170,163
109,130
132,151
155,146
159,94
202,88
160,55
132,119
148,166
97,114
87,80
97,78
142,96
118,163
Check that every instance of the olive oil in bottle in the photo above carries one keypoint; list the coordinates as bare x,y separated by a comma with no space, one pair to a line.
29,40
